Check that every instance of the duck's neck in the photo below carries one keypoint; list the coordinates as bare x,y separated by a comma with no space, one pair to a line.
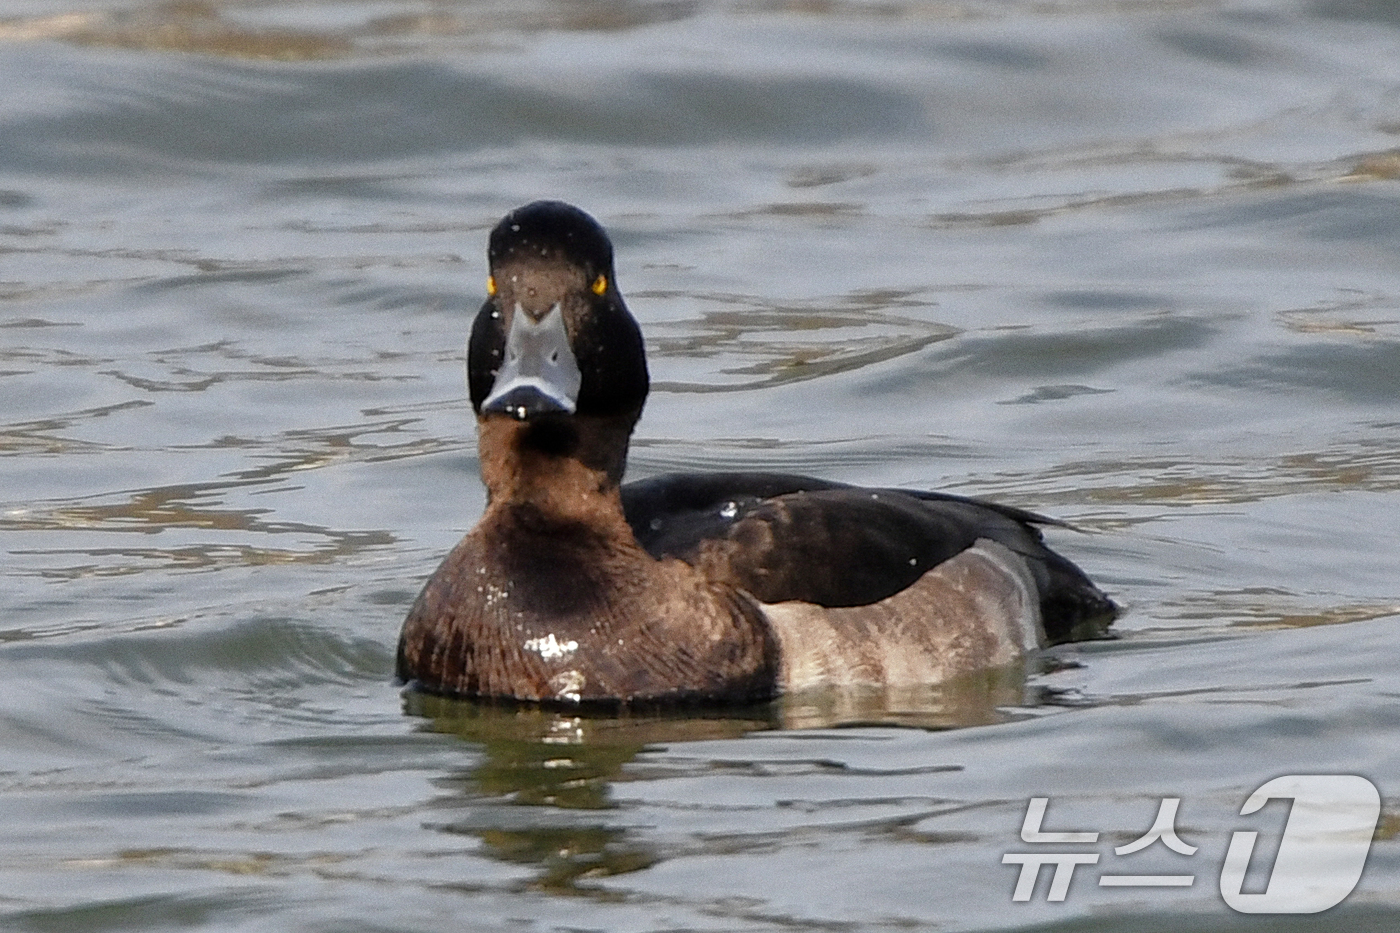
560,472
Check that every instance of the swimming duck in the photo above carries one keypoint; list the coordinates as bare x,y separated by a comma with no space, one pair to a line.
713,588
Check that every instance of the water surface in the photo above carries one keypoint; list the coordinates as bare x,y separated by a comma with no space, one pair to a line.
1131,264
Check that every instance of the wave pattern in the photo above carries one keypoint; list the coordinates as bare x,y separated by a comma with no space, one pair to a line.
1132,264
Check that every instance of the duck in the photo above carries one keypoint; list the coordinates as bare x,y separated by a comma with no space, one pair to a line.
577,589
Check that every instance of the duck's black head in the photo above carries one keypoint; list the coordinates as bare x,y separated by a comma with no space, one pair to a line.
554,338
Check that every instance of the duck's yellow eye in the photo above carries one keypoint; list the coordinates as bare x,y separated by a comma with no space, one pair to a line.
491,285
600,286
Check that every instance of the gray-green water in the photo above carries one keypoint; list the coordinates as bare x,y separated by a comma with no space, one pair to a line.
1136,264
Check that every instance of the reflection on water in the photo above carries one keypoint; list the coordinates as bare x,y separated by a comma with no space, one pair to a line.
200,506
566,758
574,760
1132,265
758,346
541,758
977,699
177,25
42,437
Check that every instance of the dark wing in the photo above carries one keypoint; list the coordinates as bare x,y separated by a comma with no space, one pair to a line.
790,537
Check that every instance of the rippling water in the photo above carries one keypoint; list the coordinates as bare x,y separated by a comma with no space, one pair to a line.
1136,264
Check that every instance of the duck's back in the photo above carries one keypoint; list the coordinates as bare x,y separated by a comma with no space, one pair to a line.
791,538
